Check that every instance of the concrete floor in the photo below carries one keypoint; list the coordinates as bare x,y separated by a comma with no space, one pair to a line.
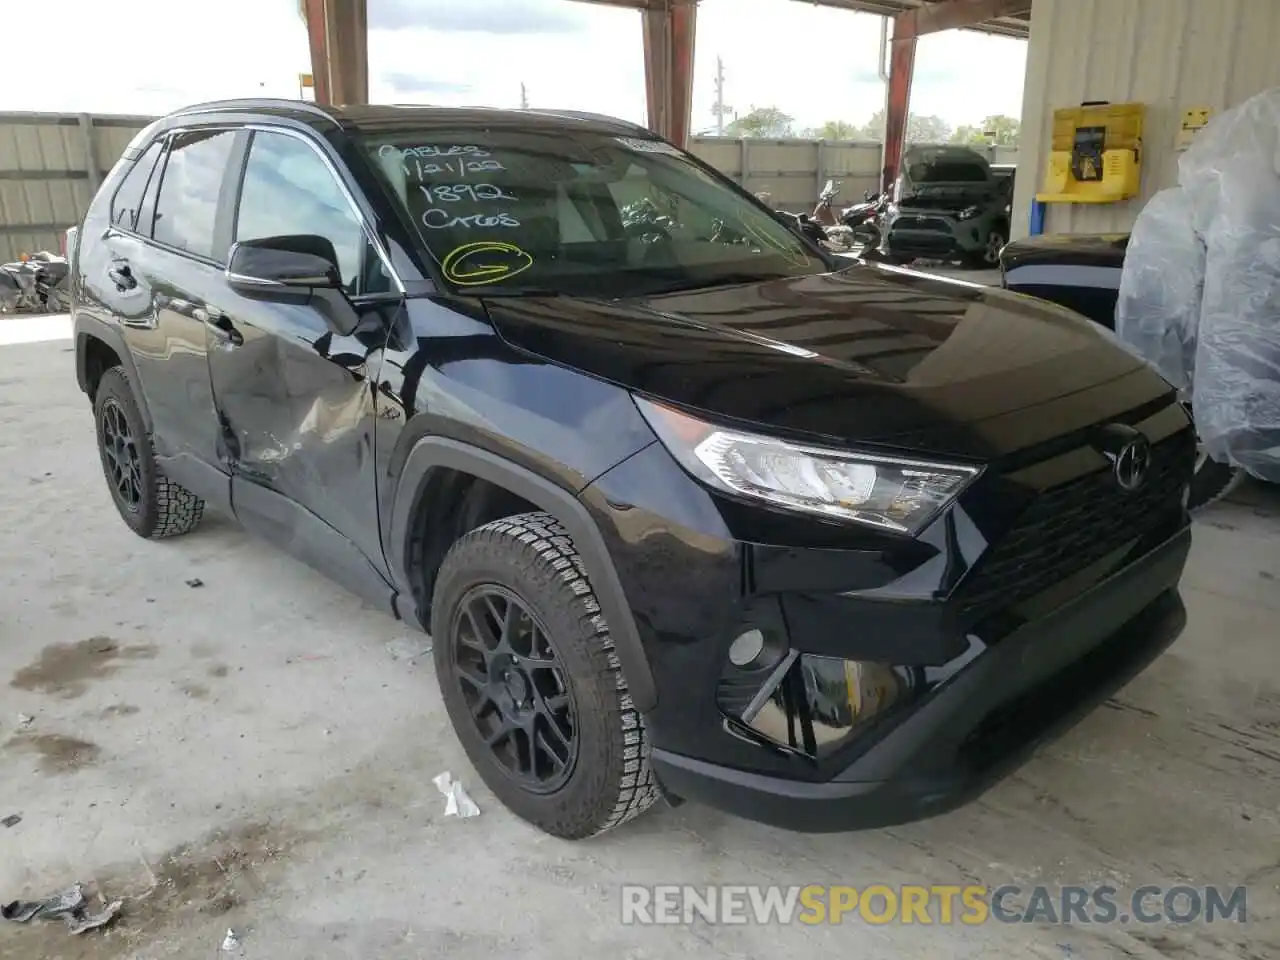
257,753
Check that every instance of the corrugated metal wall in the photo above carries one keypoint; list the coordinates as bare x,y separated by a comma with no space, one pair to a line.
50,166
1169,54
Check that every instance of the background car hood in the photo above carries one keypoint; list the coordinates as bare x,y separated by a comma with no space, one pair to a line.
948,196
1067,249
866,354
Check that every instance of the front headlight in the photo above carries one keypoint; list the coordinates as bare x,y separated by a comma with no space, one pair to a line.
968,213
889,493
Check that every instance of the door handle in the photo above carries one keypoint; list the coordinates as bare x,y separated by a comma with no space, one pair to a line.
122,277
220,326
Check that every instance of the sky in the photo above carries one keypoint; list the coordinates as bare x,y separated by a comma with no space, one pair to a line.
814,63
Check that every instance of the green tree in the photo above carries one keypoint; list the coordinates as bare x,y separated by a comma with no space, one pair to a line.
969,136
1001,129
920,129
761,123
1004,128
837,130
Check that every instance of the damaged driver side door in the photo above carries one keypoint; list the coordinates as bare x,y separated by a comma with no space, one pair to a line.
293,396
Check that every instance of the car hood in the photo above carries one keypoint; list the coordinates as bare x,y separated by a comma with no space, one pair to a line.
949,196
869,353
1067,249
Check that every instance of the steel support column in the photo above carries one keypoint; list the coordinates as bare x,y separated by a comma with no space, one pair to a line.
908,27
669,31
902,63
338,31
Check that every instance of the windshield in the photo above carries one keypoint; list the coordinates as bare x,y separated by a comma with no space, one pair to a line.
949,171
512,211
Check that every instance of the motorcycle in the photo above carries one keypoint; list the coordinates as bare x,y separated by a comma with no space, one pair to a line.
34,284
859,223
864,218
823,211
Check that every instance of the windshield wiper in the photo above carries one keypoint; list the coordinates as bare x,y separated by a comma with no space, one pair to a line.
508,290
724,280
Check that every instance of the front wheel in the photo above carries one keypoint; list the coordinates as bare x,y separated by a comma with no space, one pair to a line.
532,684
989,255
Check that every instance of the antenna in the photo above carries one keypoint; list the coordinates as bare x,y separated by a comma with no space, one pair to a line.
524,96
720,109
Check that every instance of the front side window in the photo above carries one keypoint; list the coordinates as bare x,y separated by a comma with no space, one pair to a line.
289,190
127,202
580,213
187,205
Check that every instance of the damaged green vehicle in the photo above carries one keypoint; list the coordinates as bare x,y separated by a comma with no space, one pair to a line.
948,203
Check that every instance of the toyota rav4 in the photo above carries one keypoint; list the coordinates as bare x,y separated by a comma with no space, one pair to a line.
690,508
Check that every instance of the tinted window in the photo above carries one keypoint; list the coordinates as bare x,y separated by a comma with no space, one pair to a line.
579,212
128,199
187,206
949,171
288,189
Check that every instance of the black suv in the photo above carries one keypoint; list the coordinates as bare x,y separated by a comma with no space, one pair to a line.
690,508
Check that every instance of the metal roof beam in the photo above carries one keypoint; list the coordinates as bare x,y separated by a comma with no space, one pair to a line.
953,14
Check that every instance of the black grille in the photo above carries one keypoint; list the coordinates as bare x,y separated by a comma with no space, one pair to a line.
1069,527
923,243
922,223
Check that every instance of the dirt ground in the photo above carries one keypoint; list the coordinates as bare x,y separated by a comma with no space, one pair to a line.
224,739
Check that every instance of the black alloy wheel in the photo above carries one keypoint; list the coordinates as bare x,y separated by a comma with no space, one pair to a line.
515,687
120,453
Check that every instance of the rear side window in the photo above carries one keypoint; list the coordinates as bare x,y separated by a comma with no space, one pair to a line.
187,206
128,199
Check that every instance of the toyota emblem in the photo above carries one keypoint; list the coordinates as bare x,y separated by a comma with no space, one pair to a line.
1132,464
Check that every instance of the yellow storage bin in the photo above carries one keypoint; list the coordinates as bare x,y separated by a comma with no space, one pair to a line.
1096,154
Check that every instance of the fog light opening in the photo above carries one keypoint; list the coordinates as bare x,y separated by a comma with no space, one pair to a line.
746,648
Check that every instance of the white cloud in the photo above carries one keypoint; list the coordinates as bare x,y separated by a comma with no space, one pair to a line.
817,64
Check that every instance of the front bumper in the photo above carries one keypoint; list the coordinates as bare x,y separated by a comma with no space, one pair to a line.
931,235
979,725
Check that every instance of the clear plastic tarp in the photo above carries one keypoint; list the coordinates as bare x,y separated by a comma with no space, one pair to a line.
1219,230
1161,287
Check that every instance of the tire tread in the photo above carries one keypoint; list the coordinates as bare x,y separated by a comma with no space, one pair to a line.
552,549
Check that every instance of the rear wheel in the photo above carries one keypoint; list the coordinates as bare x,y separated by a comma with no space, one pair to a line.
533,687
150,503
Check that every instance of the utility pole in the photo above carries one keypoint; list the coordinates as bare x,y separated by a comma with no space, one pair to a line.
719,107
524,97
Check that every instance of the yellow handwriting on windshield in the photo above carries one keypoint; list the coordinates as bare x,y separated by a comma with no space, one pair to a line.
790,254
484,261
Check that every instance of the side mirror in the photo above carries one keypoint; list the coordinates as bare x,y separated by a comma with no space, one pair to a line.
789,220
299,269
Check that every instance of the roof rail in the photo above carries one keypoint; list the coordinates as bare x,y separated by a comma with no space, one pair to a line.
587,115
252,103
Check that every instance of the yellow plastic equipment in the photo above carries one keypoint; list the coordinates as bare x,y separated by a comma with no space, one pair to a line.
1096,154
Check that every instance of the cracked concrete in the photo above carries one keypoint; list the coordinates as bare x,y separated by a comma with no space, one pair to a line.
257,754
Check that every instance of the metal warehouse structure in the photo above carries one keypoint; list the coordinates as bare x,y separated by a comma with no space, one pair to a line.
1171,55
338,32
